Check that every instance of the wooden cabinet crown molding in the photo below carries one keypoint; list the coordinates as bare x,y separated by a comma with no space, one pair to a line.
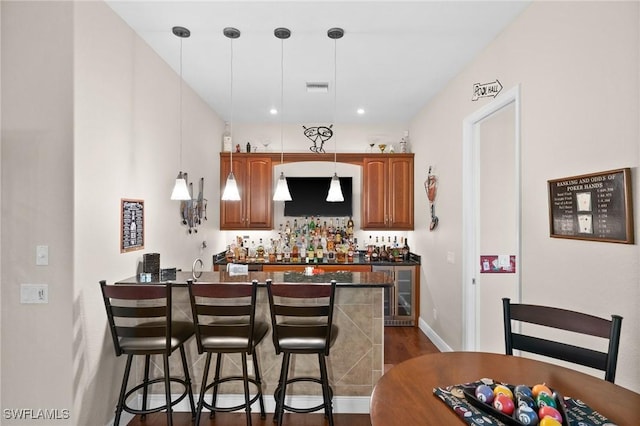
355,158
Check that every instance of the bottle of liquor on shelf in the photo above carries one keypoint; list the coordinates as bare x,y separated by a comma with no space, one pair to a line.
260,251
287,228
226,138
295,254
350,227
405,251
319,251
229,255
350,252
286,253
312,226
272,252
311,251
384,255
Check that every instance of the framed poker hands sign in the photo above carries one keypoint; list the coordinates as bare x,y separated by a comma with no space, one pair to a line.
596,207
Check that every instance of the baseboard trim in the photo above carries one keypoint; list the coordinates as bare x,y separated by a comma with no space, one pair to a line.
433,336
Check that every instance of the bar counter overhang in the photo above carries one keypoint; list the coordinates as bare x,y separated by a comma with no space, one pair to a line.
355,363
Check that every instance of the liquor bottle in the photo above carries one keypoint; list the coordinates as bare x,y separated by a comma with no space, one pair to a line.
312,226
287,229
350,227
226,138
272,252
405,251
295,254
311,252
319,251
229,255
286,253
384,255
350,253
260,251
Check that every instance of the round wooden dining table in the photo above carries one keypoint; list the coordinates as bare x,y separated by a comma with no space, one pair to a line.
404,395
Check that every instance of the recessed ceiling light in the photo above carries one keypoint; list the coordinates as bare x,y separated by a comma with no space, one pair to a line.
273,111
360,111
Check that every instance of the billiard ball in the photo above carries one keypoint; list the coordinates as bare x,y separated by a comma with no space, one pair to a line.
503,390
544,400
526,415
540,388
526,401
548,421
522,390
484,393
549,412
504,404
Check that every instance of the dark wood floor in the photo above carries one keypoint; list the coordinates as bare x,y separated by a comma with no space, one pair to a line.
400,344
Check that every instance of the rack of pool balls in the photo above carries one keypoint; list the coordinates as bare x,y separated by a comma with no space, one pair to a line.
519,405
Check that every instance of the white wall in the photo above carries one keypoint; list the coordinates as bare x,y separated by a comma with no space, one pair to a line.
127,146
37,205
579,68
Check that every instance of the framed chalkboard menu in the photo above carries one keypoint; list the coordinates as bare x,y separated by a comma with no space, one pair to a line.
593,207
131,225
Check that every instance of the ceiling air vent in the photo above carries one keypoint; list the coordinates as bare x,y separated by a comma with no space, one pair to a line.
317,87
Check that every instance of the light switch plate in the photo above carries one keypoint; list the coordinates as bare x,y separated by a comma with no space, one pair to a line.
451,257
42,255
34,293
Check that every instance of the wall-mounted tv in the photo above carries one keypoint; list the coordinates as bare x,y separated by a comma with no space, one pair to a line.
309,196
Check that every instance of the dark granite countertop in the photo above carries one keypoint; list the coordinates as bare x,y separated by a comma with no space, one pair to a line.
414,259
343,278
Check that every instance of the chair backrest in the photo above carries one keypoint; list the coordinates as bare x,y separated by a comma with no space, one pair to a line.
221,309
565,320
291,307
129,306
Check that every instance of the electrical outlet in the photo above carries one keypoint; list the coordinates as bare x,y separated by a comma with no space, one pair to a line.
34,293
451,257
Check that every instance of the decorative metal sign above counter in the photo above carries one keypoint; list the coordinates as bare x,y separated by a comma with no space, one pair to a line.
594,207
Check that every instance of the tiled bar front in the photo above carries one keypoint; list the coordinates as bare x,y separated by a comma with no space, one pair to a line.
355,364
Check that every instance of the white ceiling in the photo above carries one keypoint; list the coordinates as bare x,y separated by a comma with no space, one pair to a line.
393,57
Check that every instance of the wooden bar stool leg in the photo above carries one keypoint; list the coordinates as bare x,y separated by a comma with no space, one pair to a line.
145,388
245,376
263,415
215,383
123,390
187,380
326,392
282,388
167,388
203,388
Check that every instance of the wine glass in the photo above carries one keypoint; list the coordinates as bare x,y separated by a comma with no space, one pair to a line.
382,147
265,143
371,146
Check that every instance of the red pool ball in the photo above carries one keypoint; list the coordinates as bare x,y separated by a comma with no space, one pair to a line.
549,412
504,404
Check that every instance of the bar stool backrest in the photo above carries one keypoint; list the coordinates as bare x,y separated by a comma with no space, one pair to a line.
138,312
303,307
563,319
223,309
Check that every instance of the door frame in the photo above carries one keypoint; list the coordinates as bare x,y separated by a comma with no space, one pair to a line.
470,209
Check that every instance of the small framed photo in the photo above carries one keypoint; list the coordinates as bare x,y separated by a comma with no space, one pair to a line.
131,225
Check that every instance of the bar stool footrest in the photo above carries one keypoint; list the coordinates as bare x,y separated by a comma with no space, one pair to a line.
210,407
163,407
303,410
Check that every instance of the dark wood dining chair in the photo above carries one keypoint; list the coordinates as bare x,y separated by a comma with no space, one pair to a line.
563,319
140,322
224,318
302,323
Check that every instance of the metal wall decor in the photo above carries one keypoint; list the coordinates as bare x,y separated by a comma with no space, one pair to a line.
131,225
193,211
318,135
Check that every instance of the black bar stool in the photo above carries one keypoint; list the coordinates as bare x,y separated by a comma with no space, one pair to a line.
227,327
302,326
140,322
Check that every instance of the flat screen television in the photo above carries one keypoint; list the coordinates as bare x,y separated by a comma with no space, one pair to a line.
309,197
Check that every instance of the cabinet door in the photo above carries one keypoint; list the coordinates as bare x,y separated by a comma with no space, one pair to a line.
400,207
258,204
405,292
232,214
374,193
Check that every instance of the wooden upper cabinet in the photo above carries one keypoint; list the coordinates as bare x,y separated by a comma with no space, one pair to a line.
387,192
254,175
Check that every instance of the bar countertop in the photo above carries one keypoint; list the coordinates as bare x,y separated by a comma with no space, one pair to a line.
343,278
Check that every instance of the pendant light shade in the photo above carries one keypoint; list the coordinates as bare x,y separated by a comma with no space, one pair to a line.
335,190
231,192
282,188
180,191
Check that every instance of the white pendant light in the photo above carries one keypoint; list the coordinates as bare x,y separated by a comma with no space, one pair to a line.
180,190
335,190
231,192
282,189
